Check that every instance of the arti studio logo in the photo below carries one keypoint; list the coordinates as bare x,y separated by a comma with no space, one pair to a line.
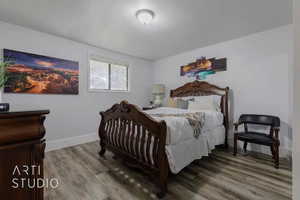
20,172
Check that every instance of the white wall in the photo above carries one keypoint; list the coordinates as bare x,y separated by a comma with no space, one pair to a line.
256,63
259,68
73,115
296,119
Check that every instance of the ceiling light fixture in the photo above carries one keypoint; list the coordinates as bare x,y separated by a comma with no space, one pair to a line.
145,16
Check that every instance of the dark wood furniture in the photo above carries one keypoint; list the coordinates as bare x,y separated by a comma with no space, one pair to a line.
21,147
130,133
271,139
149,108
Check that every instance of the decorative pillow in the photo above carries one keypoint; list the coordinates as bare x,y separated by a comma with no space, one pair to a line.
182,104
203,104
177,103
188,98
172,103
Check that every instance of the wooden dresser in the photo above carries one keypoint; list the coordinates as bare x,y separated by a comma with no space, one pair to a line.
21,154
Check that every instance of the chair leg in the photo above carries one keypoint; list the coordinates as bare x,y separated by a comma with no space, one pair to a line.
245,147
276,152
235,145
272,151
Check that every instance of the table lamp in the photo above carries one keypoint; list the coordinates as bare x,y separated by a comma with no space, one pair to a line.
158,92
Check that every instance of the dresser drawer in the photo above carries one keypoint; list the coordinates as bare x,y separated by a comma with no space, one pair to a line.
19,129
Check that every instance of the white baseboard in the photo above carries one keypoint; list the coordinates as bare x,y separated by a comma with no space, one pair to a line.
71,141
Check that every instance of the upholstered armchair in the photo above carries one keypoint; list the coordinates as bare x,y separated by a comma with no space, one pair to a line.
270,139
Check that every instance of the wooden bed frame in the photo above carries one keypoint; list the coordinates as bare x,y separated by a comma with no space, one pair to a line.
135,136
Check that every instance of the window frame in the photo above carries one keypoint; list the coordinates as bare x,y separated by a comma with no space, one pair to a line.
110,62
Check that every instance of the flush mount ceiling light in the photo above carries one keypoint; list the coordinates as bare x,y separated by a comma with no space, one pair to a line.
145,16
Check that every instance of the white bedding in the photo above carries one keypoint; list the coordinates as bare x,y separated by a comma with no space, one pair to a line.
182,147
182,154
179,129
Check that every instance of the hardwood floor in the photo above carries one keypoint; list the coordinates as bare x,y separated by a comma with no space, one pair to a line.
83,175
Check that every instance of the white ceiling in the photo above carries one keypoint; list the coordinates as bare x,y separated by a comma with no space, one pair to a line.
180,25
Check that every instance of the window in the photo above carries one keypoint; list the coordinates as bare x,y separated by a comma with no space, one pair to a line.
108,76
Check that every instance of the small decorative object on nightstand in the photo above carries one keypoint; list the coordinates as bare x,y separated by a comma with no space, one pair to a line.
247,136
149,107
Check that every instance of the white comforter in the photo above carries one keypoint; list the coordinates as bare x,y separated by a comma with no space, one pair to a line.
179,129
182,147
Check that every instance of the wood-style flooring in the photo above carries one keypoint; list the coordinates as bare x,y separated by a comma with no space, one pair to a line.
83,175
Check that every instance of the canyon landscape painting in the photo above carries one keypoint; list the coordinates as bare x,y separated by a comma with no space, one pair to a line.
37,74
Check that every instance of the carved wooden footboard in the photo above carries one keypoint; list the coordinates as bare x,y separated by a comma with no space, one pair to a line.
134,135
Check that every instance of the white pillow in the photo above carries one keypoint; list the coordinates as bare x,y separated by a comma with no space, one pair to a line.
215,99
203,104
188,98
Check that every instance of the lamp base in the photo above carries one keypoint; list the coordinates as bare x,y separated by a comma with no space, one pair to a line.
157,100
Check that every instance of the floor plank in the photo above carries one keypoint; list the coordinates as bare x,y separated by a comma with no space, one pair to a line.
83,175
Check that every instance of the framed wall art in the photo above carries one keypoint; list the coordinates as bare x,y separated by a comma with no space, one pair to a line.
37,74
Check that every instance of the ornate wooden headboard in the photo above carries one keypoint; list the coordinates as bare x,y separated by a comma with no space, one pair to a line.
202,88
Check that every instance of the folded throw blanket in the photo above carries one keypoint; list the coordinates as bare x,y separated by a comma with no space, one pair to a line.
196,120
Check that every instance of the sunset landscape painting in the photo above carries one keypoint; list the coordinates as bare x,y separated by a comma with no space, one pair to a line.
204,67
36,74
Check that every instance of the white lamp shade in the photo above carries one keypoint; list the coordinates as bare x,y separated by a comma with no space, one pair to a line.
158,89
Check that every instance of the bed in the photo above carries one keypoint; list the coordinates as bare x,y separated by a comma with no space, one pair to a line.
165,140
